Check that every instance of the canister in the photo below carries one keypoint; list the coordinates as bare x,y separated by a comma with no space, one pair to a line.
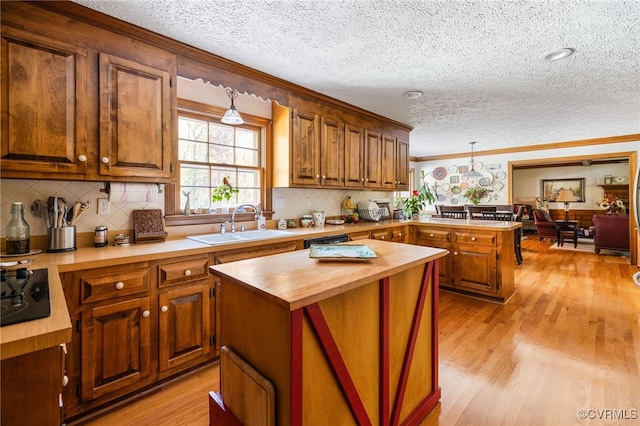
100,238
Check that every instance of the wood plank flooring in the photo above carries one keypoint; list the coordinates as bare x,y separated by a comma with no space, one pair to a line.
568,340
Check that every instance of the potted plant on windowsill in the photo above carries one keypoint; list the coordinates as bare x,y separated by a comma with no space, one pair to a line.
224,192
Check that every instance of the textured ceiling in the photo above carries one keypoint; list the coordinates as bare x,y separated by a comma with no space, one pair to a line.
478,63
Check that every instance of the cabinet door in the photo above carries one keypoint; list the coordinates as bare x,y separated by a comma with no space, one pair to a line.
44,112
115,342
475,268
444,263
388,162
136,128
402,165
305,149
353,155
372,159
331,152
185,324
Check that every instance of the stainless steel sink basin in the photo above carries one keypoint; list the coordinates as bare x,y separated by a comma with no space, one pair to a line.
240,237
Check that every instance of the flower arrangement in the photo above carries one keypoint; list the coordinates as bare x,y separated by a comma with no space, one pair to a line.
476,194
612,205
421,196
225,191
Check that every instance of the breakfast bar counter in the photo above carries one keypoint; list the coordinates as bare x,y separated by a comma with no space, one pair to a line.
359,337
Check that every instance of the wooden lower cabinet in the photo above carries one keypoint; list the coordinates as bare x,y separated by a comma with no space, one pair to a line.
136,325
32,395
186,323
115,352
480,262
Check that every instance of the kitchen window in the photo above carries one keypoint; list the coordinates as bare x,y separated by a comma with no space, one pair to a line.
209,151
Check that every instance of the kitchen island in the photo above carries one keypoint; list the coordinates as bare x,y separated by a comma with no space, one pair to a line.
340,342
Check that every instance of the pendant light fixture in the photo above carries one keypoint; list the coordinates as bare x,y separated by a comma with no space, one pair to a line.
472,173
232,116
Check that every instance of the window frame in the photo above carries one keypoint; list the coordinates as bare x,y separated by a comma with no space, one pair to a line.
173,217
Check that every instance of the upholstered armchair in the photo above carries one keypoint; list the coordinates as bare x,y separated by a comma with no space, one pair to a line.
610,232
545,226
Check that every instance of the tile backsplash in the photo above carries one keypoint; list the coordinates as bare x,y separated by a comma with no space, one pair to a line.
295,202
28,191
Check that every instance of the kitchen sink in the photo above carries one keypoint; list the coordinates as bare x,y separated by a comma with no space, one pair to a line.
240,237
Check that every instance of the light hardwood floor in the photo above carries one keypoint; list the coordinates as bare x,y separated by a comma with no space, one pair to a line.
569,340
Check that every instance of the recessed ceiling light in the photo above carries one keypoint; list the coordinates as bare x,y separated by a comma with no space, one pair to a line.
413,94
556,55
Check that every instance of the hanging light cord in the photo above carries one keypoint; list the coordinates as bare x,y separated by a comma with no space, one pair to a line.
232,94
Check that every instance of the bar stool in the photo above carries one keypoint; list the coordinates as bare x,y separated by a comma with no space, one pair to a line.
517,233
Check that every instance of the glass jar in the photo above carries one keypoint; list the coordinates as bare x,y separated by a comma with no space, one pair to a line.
18,231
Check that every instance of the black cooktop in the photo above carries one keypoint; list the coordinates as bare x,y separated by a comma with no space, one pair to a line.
25,296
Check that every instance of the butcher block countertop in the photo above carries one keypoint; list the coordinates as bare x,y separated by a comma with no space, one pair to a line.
295,280
19,339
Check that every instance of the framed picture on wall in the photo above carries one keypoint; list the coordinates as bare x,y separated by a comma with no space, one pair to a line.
551,188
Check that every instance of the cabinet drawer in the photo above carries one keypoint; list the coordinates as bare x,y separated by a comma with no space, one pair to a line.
431,234
114,284
180,272
380,235
397,235
355,236
476,237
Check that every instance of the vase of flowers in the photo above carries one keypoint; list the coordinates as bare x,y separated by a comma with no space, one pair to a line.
476,194
420,197
612,205
223,193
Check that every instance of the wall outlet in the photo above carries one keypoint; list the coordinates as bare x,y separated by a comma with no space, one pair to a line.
279,202
308,202
104,207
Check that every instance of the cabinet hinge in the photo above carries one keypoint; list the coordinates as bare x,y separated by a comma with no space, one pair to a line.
79,326
497,286
212,292
79,391
170,82
498,256
212,340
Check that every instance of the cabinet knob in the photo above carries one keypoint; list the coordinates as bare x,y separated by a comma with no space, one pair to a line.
82,158
146,314
120,285
105,160
324,176
65,380
361,179
382,237
165,308
455,253
317,176
431,235
473,238
399,234
187,272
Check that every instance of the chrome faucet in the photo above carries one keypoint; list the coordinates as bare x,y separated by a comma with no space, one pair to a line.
233,215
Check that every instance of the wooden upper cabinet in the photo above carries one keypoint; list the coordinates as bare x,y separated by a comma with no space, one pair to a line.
353,155
372,159
136,136
44,116
402,165
305,149
331,152
388,156
82,103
